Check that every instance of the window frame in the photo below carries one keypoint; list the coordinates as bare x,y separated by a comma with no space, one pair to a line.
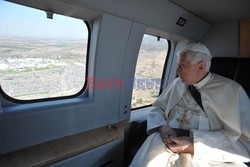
162,77
18,101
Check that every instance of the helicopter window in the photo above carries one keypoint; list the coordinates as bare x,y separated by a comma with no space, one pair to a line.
149,70
42,55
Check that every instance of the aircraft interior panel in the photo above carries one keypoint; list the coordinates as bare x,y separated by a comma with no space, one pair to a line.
99,126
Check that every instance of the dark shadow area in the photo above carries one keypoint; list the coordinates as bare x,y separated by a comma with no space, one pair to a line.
137,135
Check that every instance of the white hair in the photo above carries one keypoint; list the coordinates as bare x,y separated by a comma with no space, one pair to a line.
195,56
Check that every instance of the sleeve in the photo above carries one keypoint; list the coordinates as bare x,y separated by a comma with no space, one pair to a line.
155,119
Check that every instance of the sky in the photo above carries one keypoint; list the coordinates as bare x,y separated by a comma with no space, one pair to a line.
25,22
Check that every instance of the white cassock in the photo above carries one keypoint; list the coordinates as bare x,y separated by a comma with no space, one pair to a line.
221,133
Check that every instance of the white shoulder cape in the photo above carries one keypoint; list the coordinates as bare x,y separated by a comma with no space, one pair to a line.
228,109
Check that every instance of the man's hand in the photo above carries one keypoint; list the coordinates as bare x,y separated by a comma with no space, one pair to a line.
165,132
180,144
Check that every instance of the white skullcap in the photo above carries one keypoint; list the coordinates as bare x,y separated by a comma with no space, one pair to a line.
197,47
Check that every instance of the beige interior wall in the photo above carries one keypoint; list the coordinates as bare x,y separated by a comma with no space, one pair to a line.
245,38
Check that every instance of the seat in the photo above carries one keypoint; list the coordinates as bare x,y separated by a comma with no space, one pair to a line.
242,74
224,66
137,135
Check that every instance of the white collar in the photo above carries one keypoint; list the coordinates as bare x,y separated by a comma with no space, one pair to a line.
203,81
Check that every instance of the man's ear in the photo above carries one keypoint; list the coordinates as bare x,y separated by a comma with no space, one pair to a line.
201,66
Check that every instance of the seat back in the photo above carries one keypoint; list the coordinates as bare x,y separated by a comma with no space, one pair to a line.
234,68
242,75
224,66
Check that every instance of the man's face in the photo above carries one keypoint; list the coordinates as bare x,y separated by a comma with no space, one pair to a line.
188,73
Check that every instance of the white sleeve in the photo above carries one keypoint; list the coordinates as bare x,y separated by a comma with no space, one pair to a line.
216,146
155,119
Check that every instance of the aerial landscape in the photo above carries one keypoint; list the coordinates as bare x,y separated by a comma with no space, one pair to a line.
45,68
32,69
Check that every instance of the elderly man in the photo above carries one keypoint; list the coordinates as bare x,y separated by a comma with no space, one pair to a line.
210,114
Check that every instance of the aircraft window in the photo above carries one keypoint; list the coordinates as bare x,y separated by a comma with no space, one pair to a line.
149,70
41,57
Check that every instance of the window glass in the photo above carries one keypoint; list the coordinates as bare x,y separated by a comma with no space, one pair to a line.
149,70
40,57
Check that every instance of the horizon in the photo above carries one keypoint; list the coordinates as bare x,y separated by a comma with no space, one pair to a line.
25,22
